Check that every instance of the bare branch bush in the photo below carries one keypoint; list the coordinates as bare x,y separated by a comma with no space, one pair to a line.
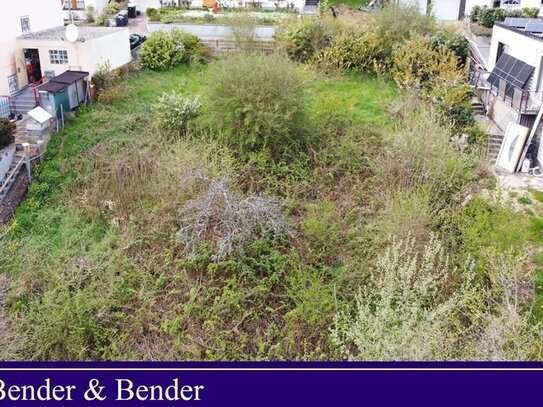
228,218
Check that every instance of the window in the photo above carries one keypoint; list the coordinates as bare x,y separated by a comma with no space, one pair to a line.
58,56
74,4
25,24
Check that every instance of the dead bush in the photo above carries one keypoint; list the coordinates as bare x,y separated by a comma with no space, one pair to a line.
228,218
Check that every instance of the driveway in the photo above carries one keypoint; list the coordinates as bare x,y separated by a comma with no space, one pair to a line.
138,25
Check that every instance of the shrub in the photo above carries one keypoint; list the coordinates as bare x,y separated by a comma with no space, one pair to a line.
433,164
506,327
195,52
90,16
173,111
359,51
113,8
301,39
486,17
396,23
406,311
256,102
161,51
417,64
499,14
102,19
152,14
242,30
530,12
474,16
453,101
6,131
229,218
514,13
102,78
456,43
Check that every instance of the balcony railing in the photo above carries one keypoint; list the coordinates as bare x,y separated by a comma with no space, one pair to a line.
524,101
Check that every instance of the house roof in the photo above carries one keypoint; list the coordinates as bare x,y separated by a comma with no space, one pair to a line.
57,33
61,82
520,30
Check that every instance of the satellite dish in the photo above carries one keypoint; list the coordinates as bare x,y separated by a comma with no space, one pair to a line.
71,33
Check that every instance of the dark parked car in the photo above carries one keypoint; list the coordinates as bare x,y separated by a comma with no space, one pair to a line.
136,40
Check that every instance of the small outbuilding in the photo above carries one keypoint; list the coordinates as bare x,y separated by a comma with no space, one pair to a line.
64,92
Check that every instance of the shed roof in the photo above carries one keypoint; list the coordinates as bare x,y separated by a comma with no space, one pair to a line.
69,77
62,81
53,87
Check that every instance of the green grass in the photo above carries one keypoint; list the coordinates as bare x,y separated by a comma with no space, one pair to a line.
524,200
351,3
538,306
349,97
538,195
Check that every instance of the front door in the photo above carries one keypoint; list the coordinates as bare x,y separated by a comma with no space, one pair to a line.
22,76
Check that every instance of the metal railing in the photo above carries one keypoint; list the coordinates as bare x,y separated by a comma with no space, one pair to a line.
14,172
524,101
34,86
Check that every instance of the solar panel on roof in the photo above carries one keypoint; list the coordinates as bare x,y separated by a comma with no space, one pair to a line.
512,70
517,22
534,26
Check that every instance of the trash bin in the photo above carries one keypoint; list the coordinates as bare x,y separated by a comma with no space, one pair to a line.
121,20
131,10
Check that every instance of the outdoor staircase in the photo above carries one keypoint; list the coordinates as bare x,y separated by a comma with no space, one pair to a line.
478,108
23,101
494,144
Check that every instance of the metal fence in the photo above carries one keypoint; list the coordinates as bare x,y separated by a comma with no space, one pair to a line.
525,101
4,106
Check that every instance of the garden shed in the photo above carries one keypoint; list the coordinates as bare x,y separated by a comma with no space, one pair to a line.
64,92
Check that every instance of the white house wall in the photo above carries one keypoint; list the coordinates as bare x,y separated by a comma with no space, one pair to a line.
113,48
520,46
145,4
84,56
445,10
420,3
43,14
43,47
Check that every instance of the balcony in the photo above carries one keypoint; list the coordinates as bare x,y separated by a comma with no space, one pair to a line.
523,101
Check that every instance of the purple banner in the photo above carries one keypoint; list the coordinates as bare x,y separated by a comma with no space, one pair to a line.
271,384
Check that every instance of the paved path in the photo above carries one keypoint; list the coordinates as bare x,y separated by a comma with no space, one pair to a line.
138,25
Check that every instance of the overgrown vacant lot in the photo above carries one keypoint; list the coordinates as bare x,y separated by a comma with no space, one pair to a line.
256,208
98,272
